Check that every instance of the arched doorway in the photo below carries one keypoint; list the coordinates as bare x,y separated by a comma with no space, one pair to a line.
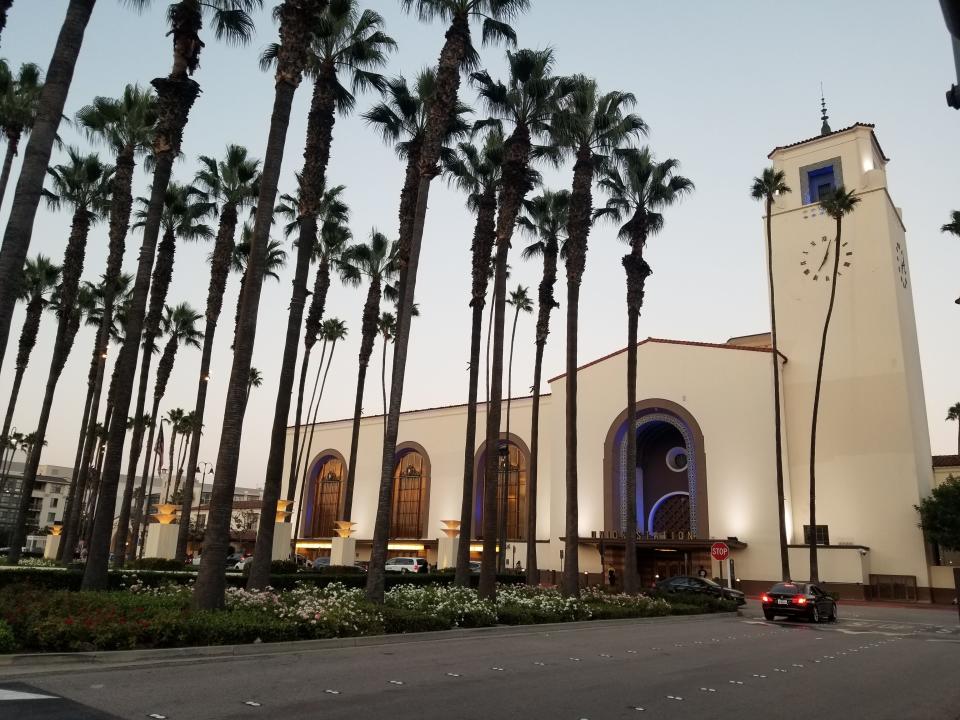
670,471
325,489
513,463
411,492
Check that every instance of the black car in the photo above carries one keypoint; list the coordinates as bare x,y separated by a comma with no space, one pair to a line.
797,599
703,586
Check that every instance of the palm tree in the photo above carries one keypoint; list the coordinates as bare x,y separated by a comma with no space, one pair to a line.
87,439
350,43
83,184
332,241
254,380
176,94
520,301
175,419
125,126
639,188
26,200
275,261
838,204
545,218
588,128
457,55
19,101
952,227
386,326
231,184
40,277
953,413
527,100
475,170
179,325
331,332
185,209
5,6
377,261
297,19
767,187
188,427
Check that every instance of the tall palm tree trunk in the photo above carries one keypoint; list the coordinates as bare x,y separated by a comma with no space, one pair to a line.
175,97
778,440
219,274
304,448
578,232
546,303
13,142
371,313
637,271
67,326
483,236
78,458
28,339
505,499
516,184
159,287
814,566
137,508
294,39
441,110
316,155
142,539
313,424
53,97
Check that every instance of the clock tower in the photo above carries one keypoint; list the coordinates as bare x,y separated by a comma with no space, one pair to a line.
873,446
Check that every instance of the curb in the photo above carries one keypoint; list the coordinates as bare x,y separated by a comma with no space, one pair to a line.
37,662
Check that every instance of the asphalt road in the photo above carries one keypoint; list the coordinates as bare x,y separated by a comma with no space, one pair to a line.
892,664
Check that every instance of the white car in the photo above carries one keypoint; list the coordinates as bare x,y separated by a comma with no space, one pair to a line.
406,565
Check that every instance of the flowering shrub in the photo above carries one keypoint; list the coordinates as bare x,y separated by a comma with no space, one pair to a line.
522,604
607,605
461,607
331,611
36,562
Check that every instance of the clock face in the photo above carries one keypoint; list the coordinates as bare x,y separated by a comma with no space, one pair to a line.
901,260
817,259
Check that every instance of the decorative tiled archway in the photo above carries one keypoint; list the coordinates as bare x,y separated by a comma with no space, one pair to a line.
655,410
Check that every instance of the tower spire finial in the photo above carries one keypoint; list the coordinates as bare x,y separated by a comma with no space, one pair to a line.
825,127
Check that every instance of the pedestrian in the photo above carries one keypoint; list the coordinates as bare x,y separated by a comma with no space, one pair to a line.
612,577
702,572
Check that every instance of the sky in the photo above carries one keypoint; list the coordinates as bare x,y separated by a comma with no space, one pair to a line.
719,84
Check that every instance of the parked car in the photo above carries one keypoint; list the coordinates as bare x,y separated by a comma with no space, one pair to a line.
320,563
243,562
475,567
702,586
406,565
233,559
799,600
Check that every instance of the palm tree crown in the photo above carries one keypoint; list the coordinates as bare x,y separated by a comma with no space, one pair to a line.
179,323
476,170
184,210
40,276
545,219
232,181
123,124
375,259
19,98
83,182
772,182
840,202
494,14
953,226
639,187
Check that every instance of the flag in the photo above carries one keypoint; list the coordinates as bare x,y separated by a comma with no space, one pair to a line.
158,449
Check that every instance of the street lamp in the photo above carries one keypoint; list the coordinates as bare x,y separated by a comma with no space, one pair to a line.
208,470
951,15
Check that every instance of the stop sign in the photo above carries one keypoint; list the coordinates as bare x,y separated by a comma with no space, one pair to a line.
719,551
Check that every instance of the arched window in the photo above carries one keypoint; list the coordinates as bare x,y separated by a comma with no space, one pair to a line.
512,462
326,492
411,479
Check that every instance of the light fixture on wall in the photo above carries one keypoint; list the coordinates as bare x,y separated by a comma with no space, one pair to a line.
451,528
166,514
344,528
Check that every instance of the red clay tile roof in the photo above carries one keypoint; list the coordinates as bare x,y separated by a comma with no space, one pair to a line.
835,132
722,346
940,461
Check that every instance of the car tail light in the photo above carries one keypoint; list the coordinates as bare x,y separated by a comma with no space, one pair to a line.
765,598
799,600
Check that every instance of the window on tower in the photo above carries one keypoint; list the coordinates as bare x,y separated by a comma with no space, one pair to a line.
819,180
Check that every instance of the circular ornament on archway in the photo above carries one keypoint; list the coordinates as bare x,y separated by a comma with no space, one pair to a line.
677,459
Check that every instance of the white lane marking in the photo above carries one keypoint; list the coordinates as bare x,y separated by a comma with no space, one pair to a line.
251,703
332,692
396,682
638,708
632,652
157,716
453,674
537,662
17,695
498,669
